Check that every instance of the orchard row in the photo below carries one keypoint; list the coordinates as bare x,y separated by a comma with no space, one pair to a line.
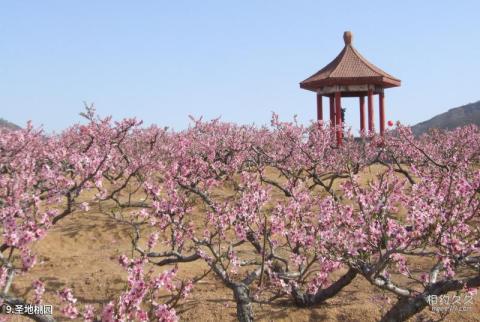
273,212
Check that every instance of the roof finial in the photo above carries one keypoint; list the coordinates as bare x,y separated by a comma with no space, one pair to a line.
347,37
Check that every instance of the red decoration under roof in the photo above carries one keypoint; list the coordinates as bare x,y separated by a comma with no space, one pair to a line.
349,68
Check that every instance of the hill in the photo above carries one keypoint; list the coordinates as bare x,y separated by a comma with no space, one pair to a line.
458,116
4,124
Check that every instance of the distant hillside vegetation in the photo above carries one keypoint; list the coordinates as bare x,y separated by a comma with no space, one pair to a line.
459,116
4,124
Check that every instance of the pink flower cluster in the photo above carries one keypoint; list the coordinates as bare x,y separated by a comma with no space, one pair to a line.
273,210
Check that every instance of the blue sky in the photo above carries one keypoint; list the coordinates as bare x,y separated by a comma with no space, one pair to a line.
164,60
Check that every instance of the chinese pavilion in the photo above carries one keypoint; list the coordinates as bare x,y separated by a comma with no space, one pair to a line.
350,75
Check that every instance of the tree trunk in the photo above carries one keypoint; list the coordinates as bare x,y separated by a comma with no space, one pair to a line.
307,300
407,307
404,309
244,305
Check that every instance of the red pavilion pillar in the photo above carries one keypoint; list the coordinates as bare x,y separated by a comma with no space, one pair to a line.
319,108
332,111
381,106
371,125
362,114
338,115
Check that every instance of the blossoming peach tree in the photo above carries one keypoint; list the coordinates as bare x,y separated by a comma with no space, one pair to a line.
324,218
41,180
273,212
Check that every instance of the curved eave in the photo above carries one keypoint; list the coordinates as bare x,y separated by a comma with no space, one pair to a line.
384,82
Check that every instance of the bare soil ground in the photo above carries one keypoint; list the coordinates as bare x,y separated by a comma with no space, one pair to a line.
81,252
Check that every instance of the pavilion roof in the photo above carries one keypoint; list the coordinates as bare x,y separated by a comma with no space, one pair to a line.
349,68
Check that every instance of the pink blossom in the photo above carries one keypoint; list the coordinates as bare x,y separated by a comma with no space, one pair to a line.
39,289
89,313
84,206
164,314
